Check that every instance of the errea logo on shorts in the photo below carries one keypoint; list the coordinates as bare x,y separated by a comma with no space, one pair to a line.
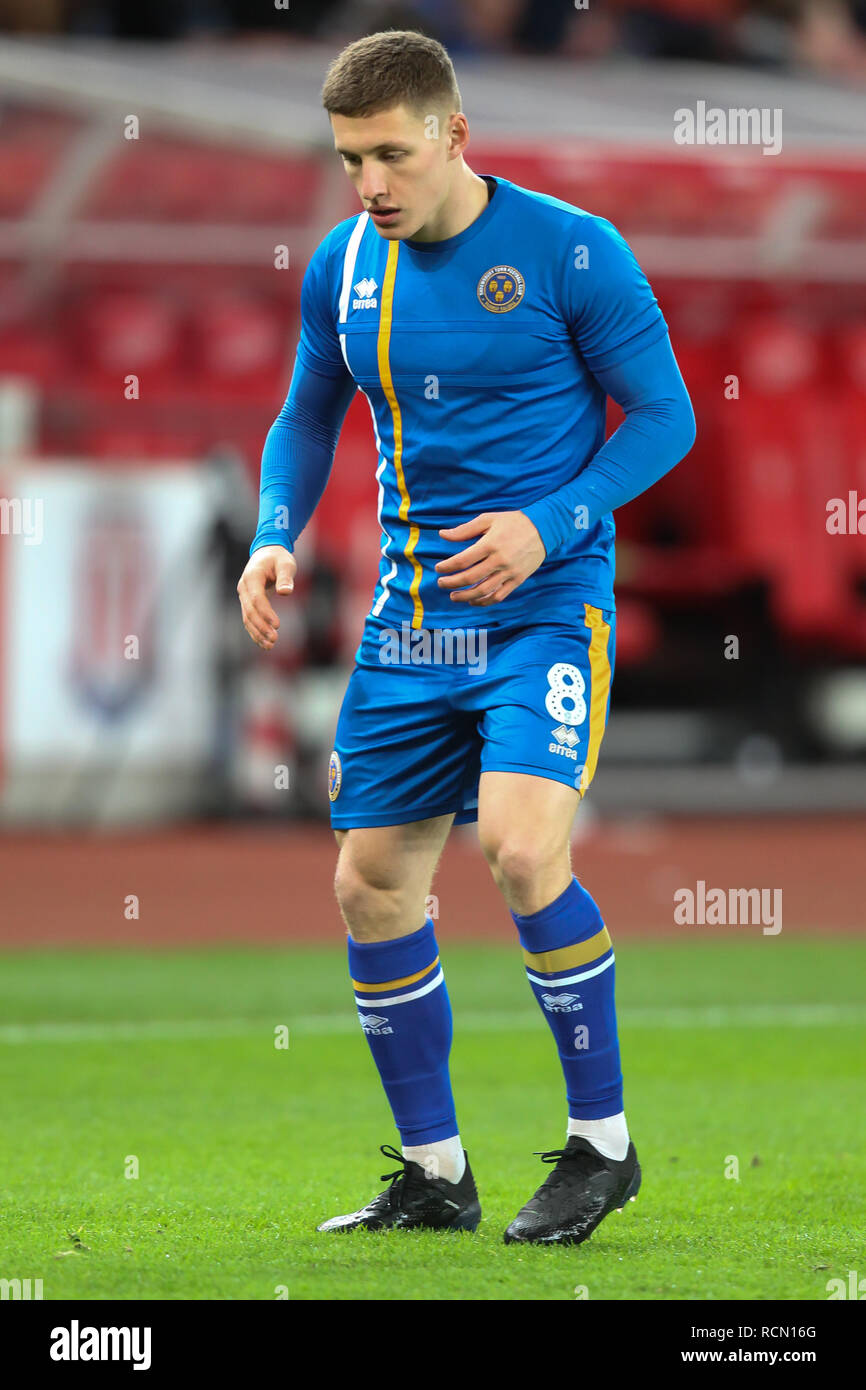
566,742
365,290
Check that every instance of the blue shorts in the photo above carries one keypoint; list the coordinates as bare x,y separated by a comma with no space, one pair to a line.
424,715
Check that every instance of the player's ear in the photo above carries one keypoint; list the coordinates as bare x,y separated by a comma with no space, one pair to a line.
458,134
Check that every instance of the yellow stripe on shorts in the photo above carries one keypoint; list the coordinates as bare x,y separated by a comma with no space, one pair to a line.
599,668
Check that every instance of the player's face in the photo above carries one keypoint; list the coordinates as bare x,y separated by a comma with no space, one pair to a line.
400,162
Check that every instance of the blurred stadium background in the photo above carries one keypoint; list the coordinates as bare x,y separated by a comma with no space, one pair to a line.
153,160
163,782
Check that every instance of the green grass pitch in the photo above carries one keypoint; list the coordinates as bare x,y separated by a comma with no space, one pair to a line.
747,1050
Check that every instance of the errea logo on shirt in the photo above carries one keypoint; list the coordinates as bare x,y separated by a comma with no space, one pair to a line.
365,289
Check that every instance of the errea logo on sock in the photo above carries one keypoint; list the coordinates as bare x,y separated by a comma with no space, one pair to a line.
372,1023
561,1003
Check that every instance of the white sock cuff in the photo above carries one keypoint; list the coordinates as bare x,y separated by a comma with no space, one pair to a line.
609,1135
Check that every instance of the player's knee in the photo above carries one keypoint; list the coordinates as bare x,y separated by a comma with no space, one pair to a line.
351,888
366,898
518,863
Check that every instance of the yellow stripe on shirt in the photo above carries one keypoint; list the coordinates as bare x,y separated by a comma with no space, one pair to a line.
383,344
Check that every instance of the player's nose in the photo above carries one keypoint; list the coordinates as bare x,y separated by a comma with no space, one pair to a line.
373,188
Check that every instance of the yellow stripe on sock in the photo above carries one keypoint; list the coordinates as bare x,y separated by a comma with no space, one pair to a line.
395,984
551,962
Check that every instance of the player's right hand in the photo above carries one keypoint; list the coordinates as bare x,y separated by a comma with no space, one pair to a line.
270,567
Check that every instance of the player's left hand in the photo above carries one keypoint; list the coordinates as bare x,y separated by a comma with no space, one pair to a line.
508,551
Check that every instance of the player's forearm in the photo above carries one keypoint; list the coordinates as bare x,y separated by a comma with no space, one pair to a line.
657,432
296,465
298,454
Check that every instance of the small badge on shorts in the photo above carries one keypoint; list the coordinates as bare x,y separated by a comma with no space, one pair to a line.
501,288
335,776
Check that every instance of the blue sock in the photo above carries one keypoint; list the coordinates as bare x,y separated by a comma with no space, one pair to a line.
569,964
405,1012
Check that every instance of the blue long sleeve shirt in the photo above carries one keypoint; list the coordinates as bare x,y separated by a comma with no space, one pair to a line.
486,360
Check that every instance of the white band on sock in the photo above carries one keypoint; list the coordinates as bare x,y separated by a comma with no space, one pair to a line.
442,1159
609,1136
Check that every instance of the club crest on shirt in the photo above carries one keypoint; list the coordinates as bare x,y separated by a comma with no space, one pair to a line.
335,776
501,288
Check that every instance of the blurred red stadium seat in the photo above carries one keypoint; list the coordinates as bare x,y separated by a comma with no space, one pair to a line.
237,337
126,333
177,180
31,149
789,451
